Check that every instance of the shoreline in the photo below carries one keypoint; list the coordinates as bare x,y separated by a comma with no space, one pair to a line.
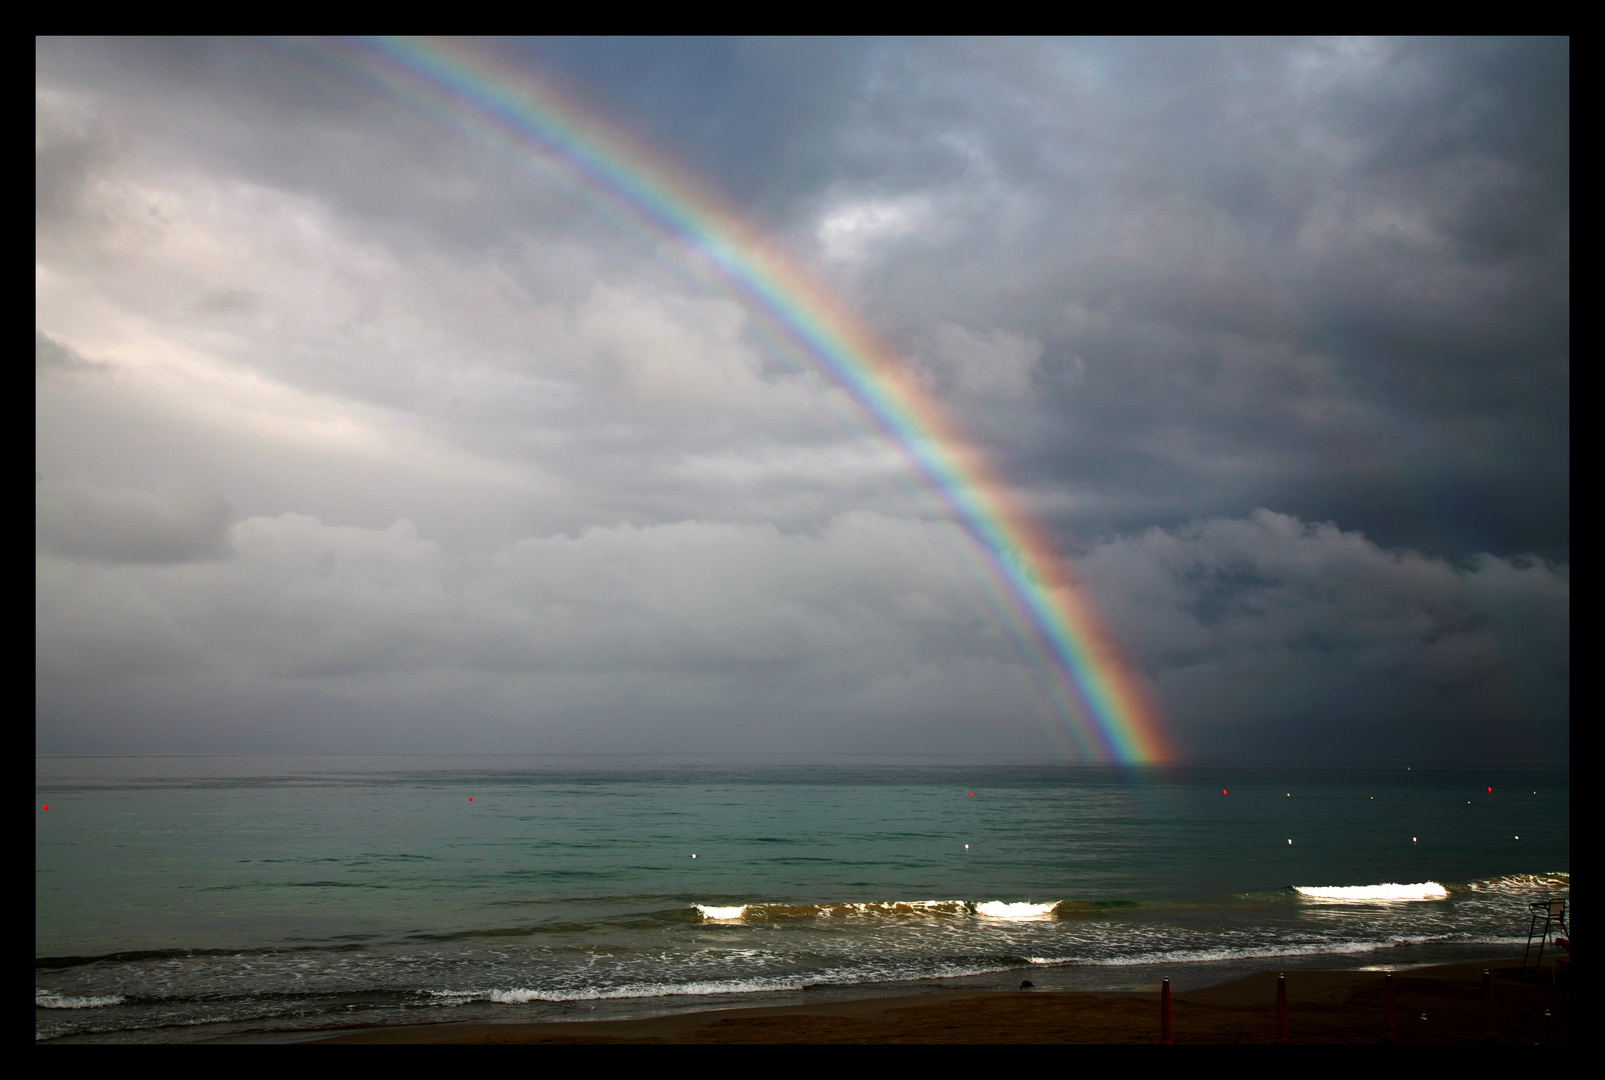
1324,1006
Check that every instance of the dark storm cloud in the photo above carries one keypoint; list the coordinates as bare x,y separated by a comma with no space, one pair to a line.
1237,621
1332,263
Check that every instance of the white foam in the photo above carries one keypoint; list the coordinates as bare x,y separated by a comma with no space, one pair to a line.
1517,883
723,914
896,907
1204,956
46,1000
759,984
997,909
1426,890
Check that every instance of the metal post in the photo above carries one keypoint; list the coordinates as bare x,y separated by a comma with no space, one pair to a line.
1164,1015
1426,1032
1281,1008
1388,1033
1549,1028
1490,1033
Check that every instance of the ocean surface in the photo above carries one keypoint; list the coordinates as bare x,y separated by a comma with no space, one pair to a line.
185,899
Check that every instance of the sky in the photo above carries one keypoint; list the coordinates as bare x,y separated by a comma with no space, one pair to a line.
357,434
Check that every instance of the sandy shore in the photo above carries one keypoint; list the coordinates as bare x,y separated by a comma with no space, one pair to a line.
1323,1007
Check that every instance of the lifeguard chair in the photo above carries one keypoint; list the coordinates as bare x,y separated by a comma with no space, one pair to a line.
1548,915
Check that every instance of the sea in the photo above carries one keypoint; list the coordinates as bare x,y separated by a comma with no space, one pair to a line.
192,899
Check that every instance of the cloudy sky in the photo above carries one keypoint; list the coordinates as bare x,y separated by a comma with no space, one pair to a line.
354,436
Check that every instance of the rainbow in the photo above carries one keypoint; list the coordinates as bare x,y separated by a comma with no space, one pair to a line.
515,112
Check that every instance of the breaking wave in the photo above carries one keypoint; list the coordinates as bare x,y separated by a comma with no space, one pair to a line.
46,1000
892,909
1426,890
997,909
722,914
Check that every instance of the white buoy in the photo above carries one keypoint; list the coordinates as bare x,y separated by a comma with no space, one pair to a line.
693,856
1290,841
966,847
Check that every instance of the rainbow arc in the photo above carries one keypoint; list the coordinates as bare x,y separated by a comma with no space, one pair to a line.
1102,707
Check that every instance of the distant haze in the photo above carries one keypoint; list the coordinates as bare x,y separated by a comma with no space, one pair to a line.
353,437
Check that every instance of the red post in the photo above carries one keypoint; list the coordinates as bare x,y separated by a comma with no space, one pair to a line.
1281,1008
1426,1032
1490,1033
1388,1033
1164,1015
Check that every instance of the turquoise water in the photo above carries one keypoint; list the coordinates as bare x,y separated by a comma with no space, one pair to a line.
196,897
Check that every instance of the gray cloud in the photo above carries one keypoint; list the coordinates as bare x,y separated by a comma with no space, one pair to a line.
1243,623
178,524
1234,625
1165,285
52,357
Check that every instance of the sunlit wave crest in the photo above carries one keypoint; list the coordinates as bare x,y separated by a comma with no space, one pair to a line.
1425,890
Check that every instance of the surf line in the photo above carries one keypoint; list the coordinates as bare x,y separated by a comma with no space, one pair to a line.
1105,711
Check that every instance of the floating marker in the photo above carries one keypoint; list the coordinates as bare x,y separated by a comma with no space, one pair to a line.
1290,841
1223,791
1412,839
966,847
693,856
1490,791
470,798
47,808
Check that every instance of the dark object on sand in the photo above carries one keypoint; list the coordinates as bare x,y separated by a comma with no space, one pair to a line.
1028,984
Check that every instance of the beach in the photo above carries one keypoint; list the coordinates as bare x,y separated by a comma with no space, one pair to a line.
1324,1007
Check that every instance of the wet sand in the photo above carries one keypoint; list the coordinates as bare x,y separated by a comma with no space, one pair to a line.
1323,1007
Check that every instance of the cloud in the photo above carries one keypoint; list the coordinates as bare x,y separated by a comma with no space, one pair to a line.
816,639
1159,283
52,357
179,523
1271,634
848,232
1258,636
993,364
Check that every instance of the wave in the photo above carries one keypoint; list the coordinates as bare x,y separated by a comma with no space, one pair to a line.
722,914
998,909
1271,951
991,909
1425,890
43,999
1515,883
754,985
